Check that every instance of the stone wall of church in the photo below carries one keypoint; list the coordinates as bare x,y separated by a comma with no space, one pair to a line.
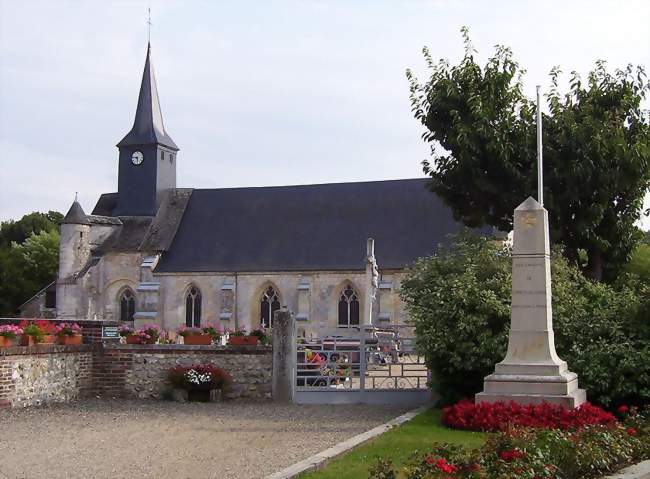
234,300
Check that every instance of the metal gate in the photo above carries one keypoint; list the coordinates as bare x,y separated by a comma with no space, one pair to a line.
361,364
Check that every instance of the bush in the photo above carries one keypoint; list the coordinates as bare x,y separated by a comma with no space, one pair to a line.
459,301
524,453
502,416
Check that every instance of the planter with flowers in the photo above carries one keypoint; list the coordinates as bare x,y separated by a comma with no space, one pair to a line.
239,337
149,333
68,334
8,334
32,334
214,331
194,336
49,335
127,333
261,334
200,382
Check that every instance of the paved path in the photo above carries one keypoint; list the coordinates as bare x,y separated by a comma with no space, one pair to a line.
156,439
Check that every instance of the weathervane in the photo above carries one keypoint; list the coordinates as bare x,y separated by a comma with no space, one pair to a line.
149,23
540,172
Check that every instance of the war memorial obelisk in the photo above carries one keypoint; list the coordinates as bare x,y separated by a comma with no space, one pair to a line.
532,372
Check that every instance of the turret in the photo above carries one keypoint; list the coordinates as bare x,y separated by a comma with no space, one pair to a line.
74,248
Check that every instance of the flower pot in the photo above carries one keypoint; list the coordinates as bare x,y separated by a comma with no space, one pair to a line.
6,342
26,340
179,395
243,340
48,339
70,340
198,339
133,340
201,395
150,341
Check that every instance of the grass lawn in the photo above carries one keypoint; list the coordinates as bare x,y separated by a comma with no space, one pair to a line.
398,444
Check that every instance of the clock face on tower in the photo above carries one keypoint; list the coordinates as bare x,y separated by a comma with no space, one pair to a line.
137,158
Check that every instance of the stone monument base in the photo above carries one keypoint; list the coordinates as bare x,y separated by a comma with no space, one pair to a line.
532,384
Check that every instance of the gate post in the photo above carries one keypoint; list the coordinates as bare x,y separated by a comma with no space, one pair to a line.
284,356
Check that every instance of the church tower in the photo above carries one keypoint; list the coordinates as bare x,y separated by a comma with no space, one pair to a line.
147,164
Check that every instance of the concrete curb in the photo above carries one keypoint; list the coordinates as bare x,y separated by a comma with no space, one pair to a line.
320,459
638,471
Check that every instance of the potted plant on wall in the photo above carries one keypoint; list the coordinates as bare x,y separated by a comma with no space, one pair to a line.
149,333
202,382
261,334
128,333
238,337
32,334
194,336
8,334
214,331
68,333
49,335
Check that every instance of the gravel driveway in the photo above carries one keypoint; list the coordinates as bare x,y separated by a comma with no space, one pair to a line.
156,439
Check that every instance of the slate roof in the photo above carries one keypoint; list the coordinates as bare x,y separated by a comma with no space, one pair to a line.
148,127
75,215
140,233
105,205
307,228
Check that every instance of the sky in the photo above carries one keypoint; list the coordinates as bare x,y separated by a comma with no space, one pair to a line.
260,93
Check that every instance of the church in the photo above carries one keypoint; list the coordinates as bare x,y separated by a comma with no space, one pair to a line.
155,253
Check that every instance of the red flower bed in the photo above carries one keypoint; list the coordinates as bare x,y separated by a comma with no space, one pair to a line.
500,416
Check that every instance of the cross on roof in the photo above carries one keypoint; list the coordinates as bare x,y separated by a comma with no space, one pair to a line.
149,23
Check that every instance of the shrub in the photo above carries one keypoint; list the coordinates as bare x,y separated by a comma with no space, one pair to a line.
501,416
204,377
459,301
524,453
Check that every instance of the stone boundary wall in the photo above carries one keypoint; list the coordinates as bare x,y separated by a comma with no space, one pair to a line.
46,374
140,371
36,375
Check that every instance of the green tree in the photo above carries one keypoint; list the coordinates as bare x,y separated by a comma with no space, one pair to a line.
482,132
40,256
29,251
18,231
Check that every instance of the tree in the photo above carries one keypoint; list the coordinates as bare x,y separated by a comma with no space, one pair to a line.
482,132
29,252
18,231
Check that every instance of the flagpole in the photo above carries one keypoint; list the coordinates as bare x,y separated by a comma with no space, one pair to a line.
540,171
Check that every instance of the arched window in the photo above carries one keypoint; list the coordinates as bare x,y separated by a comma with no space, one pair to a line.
348,307
193,308
127,305
269,304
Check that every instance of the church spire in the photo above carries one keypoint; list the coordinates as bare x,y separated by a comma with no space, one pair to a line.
148,126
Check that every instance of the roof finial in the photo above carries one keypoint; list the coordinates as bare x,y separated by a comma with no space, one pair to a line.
76,195
149,23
